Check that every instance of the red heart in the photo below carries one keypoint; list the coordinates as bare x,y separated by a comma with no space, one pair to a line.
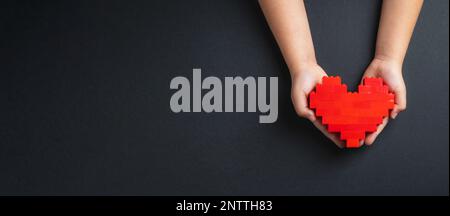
352,114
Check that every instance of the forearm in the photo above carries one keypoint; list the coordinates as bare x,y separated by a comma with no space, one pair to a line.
289,24
398,18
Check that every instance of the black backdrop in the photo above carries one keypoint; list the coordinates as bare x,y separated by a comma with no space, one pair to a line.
87,100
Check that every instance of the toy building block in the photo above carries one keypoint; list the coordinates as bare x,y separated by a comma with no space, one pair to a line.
352,114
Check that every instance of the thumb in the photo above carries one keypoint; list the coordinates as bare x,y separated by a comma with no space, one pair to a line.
300,101
371,71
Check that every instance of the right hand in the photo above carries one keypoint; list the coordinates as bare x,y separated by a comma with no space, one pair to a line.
303,82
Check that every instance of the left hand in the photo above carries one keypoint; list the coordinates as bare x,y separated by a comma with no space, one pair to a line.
391,72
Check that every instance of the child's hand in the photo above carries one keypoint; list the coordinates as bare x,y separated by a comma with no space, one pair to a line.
391,72
303,82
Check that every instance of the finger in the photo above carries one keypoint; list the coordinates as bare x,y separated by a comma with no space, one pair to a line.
371,71
400,102
301,105
332,137
370,139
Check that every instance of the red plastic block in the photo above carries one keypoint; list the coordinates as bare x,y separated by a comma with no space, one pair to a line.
351,114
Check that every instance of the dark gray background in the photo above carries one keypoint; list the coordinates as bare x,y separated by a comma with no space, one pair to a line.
87,100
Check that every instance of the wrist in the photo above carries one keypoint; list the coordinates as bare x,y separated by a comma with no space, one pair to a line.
388,59
302,67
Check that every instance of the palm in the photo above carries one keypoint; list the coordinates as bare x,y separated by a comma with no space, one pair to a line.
303,83
391,73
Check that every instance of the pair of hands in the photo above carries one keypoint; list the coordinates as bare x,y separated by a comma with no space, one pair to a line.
305,79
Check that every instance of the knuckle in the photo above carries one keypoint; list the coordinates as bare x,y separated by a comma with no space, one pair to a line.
369,142
302,112
402,107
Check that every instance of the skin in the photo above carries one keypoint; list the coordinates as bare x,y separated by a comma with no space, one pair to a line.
289,23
